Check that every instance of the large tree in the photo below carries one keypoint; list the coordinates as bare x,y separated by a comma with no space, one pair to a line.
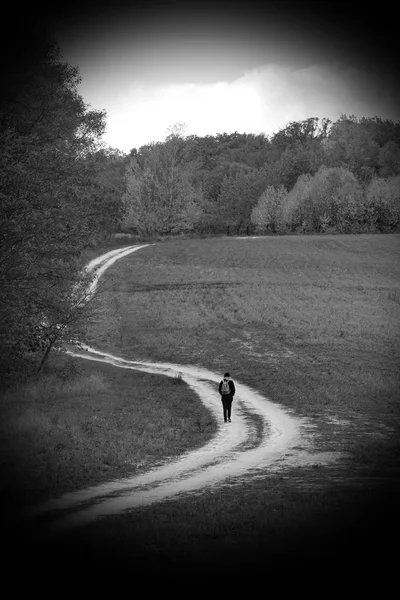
301,132
352,146
239,194
332,197
160,195
389,159
49,202
381,209
268,212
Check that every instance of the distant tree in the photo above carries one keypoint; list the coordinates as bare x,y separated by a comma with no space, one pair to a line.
267,214
381,131
338,197
297,159
103,172
301,132
351,146
299,210
204,150
212,182
140,201
50,208
159,196
382,204
332,197
389,160
239,194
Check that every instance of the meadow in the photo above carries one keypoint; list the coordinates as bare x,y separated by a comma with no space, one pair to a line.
83,423
311,322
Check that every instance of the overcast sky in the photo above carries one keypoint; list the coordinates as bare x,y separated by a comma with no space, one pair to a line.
225,67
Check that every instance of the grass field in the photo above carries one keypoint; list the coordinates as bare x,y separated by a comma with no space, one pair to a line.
83,423
312,323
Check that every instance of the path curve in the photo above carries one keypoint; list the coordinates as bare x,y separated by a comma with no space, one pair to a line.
237,450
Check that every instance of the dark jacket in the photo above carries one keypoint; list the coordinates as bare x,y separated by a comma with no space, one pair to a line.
232,387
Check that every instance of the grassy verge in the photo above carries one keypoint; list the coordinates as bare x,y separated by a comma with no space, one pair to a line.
83,423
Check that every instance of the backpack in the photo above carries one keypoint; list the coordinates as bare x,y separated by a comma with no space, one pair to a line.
225,388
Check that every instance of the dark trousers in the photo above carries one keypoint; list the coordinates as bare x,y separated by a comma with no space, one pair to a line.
227,405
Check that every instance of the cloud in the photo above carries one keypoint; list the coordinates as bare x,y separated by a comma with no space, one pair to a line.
206,109
260,101
321,91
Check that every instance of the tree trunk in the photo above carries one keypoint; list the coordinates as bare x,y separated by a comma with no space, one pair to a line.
46,354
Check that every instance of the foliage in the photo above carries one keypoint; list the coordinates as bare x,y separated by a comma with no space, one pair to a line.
298,211
239,193
351,146
105,168
301,132
268,213
51,203
380,130
159,196
382,204
331,197
389,159
296,160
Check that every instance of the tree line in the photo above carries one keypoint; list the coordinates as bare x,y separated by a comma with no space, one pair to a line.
312,175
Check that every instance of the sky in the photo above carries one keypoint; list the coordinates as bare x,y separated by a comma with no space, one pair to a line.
225,67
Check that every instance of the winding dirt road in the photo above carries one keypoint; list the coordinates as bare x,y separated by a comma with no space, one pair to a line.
263,438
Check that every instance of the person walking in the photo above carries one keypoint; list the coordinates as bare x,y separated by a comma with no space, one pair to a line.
227,391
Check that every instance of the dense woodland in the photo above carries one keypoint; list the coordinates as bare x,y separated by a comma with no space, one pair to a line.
314,175
62,191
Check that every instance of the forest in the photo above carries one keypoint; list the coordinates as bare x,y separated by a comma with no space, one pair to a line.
63,191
